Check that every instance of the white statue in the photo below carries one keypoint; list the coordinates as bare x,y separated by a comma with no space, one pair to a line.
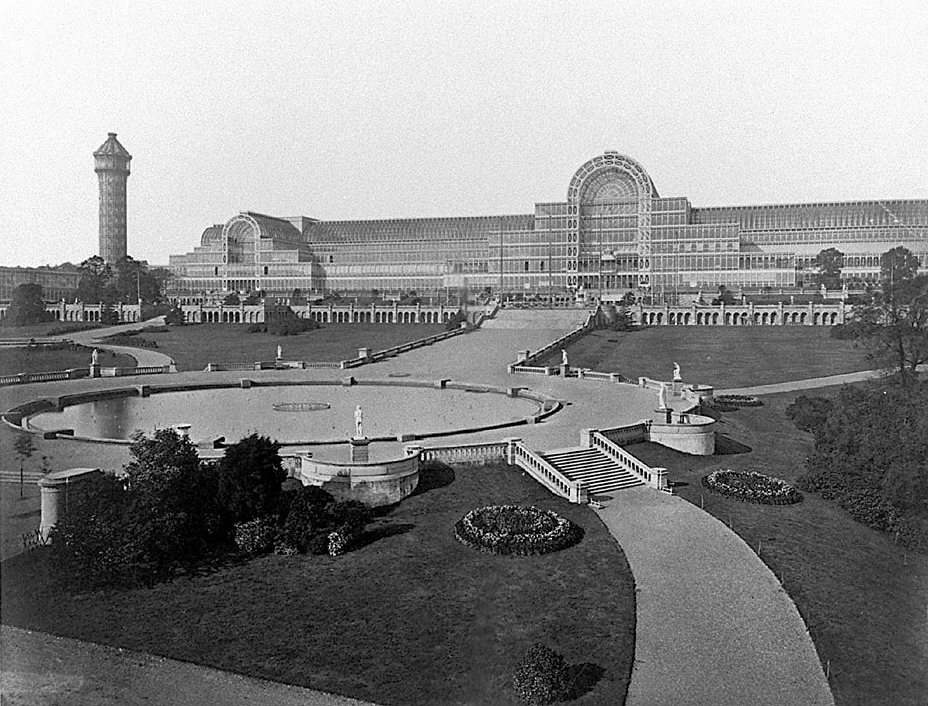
95,357
359,422
563,357
662,397
280,353
824,291
676,372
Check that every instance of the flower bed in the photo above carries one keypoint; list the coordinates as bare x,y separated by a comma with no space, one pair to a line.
513,529
737,400
752,487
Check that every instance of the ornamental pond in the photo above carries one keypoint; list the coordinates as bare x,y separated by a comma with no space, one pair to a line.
291,414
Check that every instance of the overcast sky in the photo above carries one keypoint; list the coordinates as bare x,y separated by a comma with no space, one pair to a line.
383,110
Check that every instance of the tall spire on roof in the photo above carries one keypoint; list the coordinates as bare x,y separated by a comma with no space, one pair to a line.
111,163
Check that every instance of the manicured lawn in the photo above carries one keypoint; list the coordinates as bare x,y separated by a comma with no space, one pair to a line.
723,356
412,617
863,598
196,345
40,359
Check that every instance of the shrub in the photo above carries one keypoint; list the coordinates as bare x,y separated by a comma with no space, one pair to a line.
250,475
175,317
256,536
291,326
337,543
512,529
313,517
752,487
257,328
865,505
809,413
541,677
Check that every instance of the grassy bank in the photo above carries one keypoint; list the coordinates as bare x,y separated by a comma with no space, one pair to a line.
412,617
863,598
40,359
723,356
194,346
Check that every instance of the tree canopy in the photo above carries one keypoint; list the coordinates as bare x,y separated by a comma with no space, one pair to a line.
829,263
893,322
27,306
126,280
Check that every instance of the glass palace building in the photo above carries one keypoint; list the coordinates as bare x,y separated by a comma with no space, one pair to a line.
612,234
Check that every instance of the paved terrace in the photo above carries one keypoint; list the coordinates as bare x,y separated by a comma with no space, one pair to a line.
714,627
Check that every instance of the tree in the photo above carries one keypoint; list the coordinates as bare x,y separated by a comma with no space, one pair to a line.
297,297
231,299
250,476
829,263
724,297
133,281
27,306
893,322
175,316
95,285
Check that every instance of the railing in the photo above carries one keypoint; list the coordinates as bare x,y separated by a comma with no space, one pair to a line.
402,348
546,474
50,376
654,477
628,434
465,453
219,367
530,369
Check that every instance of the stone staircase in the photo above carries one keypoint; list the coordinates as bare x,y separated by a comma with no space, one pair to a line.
555,319
592,468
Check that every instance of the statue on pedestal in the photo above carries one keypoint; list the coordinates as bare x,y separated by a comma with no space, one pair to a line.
662,397
677,376
359,422
280,353
563,357
95,357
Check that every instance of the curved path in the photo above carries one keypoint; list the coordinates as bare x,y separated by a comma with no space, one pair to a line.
810,383
714,626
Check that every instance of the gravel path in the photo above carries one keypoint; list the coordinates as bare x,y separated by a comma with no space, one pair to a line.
714,626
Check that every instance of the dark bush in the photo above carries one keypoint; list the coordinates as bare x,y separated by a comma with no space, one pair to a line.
865,505
250,476
257,328
752,487
313,515
175,317
291,326
737,400
809,413
540,677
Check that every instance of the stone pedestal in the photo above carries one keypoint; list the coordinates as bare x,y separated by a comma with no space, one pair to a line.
677,388
94,370
359,449
667,412
565,370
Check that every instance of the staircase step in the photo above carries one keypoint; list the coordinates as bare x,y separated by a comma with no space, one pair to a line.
594,469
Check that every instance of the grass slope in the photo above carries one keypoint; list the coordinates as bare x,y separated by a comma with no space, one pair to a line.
40,359
723,356
863,598
194,346
412,617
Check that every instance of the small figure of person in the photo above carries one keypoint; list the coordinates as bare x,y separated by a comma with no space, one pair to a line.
359,422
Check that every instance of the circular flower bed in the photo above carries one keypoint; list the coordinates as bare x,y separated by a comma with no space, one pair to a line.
738,400
514,529
752,487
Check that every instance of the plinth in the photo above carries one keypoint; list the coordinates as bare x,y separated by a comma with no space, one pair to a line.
359,449
94,370
667,412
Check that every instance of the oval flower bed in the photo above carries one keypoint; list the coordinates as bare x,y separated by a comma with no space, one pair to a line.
513,529
738,400
752,487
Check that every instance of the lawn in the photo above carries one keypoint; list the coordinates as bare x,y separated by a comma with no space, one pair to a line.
43,329
863,598
194,346
722,356
40,359
411,617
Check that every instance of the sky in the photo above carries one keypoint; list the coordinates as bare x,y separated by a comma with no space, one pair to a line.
358,110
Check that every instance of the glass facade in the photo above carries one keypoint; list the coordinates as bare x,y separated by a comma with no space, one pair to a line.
613,233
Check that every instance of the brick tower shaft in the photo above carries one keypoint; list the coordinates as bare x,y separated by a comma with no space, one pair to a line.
111,163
